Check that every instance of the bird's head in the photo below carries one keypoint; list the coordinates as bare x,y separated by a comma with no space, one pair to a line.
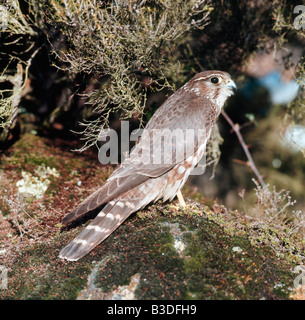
215,85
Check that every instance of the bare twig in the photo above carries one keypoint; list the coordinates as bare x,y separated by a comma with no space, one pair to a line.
235,127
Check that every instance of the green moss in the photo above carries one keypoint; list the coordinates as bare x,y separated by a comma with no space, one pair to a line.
214,265
37,273
209,268
29,152
145,248
216,271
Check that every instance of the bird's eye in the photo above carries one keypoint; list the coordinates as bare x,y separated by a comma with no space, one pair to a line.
215,80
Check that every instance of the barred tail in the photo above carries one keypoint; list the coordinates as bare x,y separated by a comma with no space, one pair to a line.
110,218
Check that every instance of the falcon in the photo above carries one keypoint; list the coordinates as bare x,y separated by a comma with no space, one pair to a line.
159,164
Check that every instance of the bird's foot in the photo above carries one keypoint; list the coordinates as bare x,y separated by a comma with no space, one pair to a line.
183,206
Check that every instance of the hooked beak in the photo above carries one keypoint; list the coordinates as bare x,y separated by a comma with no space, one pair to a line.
231,85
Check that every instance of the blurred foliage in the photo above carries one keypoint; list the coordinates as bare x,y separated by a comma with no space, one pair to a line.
290,26
14,29
113,55
128,44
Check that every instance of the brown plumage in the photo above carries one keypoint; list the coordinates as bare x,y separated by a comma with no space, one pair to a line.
142,178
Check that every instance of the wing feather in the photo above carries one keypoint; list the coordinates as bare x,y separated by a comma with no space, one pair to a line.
141,165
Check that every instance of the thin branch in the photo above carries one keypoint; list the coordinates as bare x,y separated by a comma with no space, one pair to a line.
235,127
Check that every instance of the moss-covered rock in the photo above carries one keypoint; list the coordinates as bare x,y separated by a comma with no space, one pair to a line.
212,265
163,252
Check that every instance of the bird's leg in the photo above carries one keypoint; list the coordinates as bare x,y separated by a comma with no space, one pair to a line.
183,205
180,198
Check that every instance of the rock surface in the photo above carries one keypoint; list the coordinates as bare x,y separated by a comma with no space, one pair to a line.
203,251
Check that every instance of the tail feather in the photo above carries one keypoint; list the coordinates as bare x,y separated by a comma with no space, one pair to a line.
109,191
110,218
97,231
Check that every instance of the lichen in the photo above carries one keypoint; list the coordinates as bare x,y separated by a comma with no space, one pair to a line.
36,185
